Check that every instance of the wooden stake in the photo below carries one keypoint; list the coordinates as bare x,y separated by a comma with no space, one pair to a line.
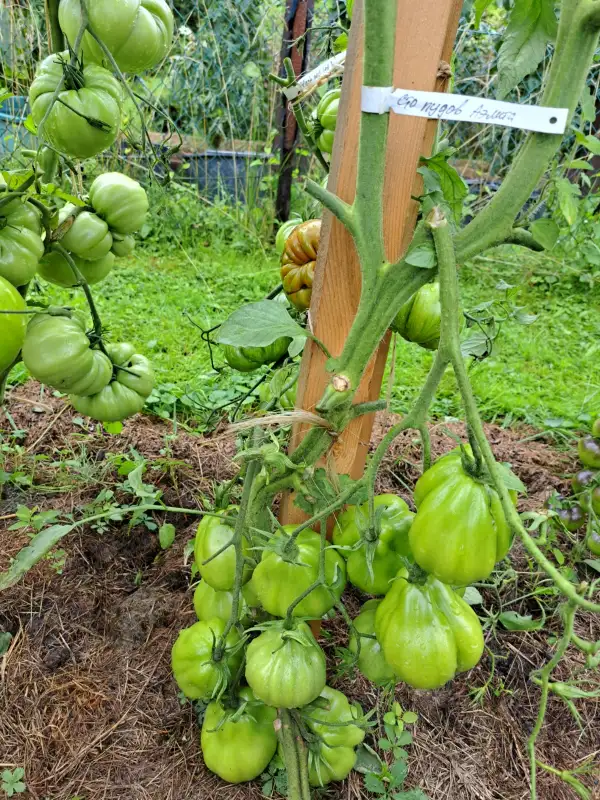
425,34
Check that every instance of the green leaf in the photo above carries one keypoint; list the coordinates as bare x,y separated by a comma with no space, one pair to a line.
411,794
409,717
340,43
389,718
511,481
558,556
258,324
30,125
166,535
588,104
113,427
251,71
399,771
579,163
513,621
531,27
479,8
545,232
297,345
452,186
373,783
472,596
5,640
39,546
568,199
594,563
367,759
404,738
423,255
589,142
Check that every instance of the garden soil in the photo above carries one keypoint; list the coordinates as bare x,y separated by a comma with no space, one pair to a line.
88,705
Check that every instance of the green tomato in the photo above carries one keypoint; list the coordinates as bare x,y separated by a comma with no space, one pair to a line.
285,668
210,603
589,452
57,352
198,675
126,394
583,480
371,662
12,326
137,33
274,389
427,632
281,577
574,517
238,746
21,245
460,531
55,268
120,201
247,359
590,500
392,523
92,94
212,534
122,245
419,320
284,231
593,542
327,109
330,717
325,141
88,237
328,764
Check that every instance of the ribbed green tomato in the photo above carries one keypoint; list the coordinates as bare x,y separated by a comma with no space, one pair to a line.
285,668
88,237
460,531
120,201
57,352
589,452
281,577
427,632
126,394
12,326
419,319
247,359
137,33
212,534
392,522
284,231
198,675
328,764
371,662
209,602
88,94
238,749
122,245
21,245
55,268
324,717
325,141
275,389
327,109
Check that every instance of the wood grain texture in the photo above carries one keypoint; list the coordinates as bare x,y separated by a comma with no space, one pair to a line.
425,33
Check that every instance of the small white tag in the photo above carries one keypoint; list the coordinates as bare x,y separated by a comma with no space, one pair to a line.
327,69
461,108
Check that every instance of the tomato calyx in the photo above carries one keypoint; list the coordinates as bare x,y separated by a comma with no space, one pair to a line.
415,574
73,73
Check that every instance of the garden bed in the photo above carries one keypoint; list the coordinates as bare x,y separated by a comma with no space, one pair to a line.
87,702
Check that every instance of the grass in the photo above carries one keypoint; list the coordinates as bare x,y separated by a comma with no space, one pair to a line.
546,370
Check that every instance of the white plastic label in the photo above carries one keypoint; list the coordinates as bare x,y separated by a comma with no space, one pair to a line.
461,108
327,69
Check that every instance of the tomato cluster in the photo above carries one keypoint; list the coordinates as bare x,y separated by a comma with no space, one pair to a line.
583,508
418,629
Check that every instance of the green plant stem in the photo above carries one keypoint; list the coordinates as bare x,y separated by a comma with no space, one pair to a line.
310,139
53,30
450,343
575,46
523,238
544,675
285,734
239,532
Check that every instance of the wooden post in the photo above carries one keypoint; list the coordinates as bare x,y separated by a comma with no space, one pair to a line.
298,21
425,33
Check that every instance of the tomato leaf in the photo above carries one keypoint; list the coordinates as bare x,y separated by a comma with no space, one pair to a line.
39,546
531,27
166,535
513,621
472,596
545,232
512,481
594,563
479,8
452,186
258,325
423,255
588,104
568,199
589,142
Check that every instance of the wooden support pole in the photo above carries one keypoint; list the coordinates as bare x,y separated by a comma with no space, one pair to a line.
425,34
298,21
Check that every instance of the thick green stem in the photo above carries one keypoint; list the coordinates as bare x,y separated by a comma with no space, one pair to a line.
287,739
55,35
575,46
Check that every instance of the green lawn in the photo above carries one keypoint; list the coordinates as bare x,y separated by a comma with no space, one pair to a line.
536,372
